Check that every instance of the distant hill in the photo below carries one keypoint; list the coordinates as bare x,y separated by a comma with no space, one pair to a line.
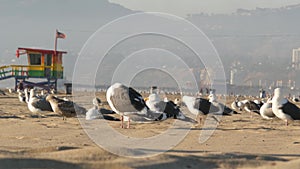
253,33
261,40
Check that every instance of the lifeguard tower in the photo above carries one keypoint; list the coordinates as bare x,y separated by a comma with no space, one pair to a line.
42,64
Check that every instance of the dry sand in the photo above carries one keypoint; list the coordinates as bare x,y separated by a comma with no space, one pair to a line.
239,141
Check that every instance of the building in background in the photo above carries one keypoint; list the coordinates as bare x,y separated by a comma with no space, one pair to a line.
296,59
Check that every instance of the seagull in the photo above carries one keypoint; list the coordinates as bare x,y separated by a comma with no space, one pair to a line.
128,103
250,106
235,105
96,113
168,107
21,96
284,109
152,100
37,104
266,111
93,113
258,102
201,106
226,110
64,108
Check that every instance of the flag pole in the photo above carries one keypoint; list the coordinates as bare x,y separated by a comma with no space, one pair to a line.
55,43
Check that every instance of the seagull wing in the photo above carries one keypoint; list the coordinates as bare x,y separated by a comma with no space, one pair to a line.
66,106
41,104
292,110
136,99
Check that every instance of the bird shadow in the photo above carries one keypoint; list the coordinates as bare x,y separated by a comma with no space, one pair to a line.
10,117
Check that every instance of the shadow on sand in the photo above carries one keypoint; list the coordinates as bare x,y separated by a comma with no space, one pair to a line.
228,160
35,164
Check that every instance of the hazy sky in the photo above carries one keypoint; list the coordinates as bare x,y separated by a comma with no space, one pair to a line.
183,7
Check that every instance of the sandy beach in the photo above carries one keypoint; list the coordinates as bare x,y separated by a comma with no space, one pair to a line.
239,141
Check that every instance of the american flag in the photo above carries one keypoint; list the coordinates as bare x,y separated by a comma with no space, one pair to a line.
60,35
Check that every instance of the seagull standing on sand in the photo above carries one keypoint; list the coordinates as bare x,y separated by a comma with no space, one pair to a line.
64,108
284,109
266,111
200,106
127,102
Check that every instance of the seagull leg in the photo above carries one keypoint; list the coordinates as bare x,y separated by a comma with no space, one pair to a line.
128,123
198,119
122,121
287,122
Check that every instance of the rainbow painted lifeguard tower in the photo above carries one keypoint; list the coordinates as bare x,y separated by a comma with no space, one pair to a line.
45,66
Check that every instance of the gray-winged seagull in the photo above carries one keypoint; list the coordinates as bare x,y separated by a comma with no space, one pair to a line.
284,109
127,102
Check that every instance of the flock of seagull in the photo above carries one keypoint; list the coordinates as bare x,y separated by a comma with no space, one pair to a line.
272,107
48,102
131,106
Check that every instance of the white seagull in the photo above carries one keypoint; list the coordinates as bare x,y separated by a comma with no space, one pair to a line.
96,113
93,113
21,96
284,109
266,111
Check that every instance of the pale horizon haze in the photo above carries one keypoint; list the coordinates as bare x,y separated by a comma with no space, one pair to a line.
185,7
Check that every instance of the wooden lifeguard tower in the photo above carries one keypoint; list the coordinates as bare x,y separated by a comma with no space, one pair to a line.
42,64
